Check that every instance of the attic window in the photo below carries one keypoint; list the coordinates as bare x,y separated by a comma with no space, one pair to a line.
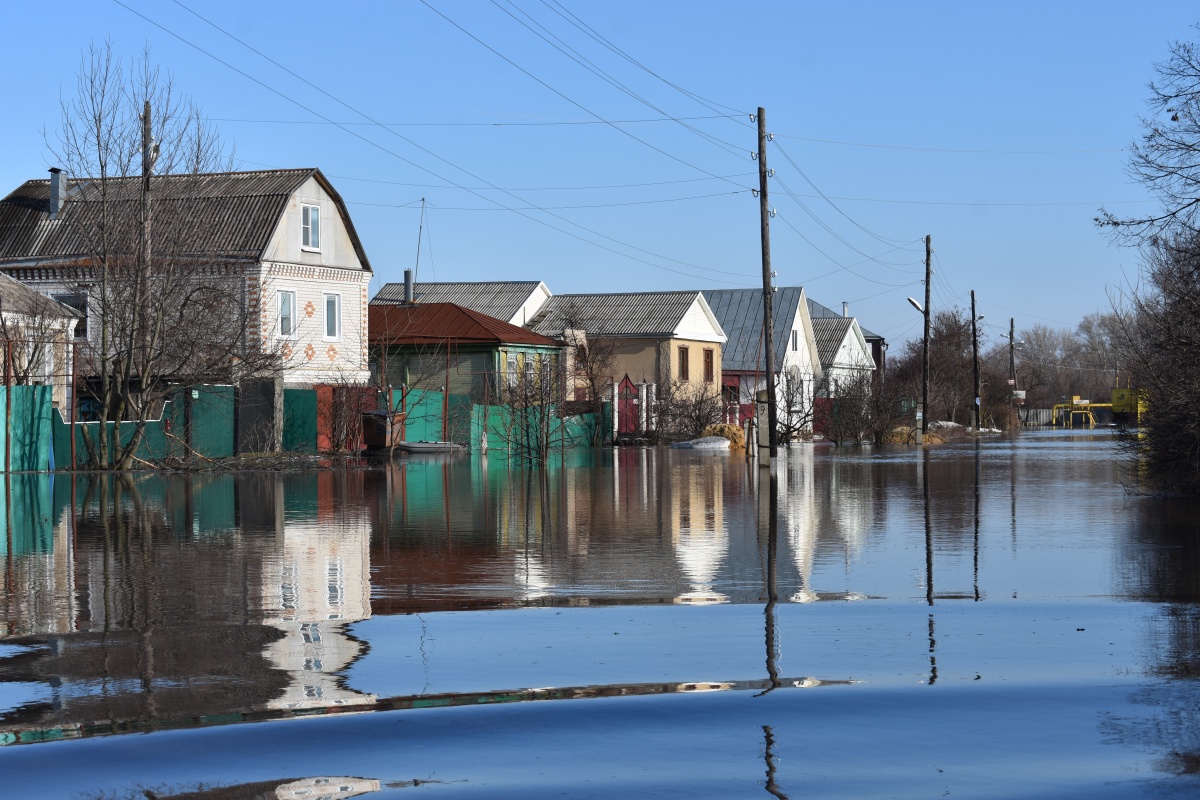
310,224
795,340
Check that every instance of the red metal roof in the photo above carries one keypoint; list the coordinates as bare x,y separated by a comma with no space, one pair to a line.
436,323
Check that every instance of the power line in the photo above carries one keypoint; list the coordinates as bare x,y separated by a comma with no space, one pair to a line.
590,66
563,208
952,150
562,11
468,124
423,149
573,102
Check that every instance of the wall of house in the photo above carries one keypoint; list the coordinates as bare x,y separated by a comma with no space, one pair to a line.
696,362
336,246
699,326
531,306
852,359
309,356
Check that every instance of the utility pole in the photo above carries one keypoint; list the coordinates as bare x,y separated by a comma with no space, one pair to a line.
768,290
925,344
148,159
975,357
1012,374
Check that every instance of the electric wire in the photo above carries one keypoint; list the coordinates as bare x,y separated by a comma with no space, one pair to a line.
392,153
590,66
565,208
555,91
467,124
952,150
826,198
562,11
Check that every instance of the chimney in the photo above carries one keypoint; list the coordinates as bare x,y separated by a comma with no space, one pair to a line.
58,194
845,309
409,294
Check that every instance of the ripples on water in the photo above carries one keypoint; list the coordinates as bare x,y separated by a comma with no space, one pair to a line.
995,621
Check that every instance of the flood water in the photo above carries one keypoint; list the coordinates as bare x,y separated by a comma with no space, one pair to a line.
1000,621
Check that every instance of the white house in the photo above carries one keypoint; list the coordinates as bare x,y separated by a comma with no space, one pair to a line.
284,235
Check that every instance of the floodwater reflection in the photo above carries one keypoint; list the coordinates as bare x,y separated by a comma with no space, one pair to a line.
147,602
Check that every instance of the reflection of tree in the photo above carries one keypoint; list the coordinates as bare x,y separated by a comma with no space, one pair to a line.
1161,564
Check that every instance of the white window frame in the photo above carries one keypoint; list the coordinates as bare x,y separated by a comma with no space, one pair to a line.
308,241
336,336
290,334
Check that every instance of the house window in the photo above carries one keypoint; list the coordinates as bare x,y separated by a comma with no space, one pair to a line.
708,365
795,340
79,303
683,364
333,317
310,222
287,313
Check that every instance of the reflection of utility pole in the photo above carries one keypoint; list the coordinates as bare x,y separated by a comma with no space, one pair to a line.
928,530
768,512
769,756
976,574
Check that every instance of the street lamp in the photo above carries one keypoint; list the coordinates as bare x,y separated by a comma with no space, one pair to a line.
924,370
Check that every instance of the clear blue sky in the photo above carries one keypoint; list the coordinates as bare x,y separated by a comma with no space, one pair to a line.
999,129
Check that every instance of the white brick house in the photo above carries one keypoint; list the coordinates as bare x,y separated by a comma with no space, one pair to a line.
285,234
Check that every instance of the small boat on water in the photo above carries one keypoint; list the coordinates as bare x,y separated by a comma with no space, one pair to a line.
429,447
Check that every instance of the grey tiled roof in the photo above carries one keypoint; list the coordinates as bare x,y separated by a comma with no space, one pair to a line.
227,215
740,312
829,333
499,299
17,298
655,314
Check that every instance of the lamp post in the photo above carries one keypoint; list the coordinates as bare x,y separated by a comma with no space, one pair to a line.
924,371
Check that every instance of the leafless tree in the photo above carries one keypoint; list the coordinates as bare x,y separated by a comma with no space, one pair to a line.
683,409
1164,158
796,409
530,408
167,310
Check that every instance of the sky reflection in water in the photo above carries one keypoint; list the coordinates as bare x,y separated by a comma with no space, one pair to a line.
1030,581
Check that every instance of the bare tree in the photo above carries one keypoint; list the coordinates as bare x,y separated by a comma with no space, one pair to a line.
683,409
796,409
168,309
1164,158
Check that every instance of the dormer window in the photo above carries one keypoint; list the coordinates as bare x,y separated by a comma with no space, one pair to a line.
310,224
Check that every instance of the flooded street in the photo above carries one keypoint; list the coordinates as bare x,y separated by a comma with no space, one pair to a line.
995,621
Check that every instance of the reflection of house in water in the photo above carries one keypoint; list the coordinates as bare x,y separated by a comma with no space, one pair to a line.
317,583
695,516
182,597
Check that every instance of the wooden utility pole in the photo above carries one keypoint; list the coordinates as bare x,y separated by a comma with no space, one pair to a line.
768,290
975,357
925,343
148,159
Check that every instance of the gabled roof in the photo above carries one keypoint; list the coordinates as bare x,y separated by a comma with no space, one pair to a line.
830,332
17,298
227,215
499,299
816,310
439,323
625,315
740,312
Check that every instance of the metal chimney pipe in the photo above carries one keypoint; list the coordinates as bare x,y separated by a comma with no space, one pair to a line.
57,195
845,309
409,294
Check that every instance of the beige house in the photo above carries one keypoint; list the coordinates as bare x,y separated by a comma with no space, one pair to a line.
283,236
655,337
